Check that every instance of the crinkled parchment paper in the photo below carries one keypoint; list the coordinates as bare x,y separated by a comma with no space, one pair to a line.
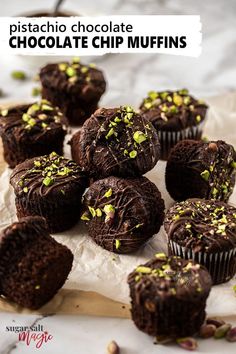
101,271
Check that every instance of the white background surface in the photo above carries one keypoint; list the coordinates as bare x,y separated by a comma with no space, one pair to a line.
129,77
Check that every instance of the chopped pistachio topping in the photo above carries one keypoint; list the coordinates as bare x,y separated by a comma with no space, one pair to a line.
84,69
108,193
143,270
133,154
18,75
4,112
36,91
92,211
70,71
76,60
25,189
110,133
48,181
198,118
62,66
139,137
118,244
161,255
177,99
234,288
37,287
205,175
85,217
233,164
98,212
108,209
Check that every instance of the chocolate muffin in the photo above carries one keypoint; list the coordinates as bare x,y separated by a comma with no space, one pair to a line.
33,266
122,214
196,169
50,186
204,230
176,115
31,130
116,141
168,296
74,87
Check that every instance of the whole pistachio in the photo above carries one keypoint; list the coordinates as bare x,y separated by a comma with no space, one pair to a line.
187,343
113,348
222,331
231,335
215,321
207,330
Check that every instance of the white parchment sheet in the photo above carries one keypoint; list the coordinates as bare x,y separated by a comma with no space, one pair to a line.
101,271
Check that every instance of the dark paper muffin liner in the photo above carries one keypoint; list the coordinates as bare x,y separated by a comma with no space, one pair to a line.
59,214
169,317
221,265
168,139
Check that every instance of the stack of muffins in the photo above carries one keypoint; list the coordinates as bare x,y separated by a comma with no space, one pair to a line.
111,152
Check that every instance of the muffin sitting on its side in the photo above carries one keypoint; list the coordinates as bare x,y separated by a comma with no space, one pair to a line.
205,231
168,296
74,87
122,214
31,130
33,266
50,186
116,142
176,116
196,169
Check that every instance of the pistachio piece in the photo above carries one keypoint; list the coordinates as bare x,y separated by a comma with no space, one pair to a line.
231,335
207,330
36,91
215,321
4,112
113,348
187,343
139,137
18,75
133,154
117,244
222,331
205,175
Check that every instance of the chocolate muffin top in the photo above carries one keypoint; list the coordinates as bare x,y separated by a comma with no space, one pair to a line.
173,110
32,121
123,213
164,277
116,141
46,176
74,79
202,225
197,169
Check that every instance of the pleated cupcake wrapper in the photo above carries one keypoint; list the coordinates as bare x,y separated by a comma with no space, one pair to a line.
59,216
169,139
167,317
221,265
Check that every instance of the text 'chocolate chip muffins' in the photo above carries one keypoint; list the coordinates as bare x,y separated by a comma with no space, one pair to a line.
75,87
197,169
204,230
176,115
33,266
50,186
31,130
116,141
122,214
168,296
